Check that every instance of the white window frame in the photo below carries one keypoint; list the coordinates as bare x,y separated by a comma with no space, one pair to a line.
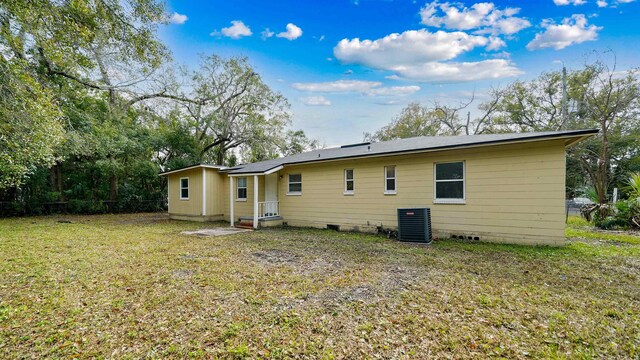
294,193
182,188
464,184
353,180
238,187
395,180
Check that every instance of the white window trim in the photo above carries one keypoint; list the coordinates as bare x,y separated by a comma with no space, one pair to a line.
353,179
293,193
182,188
395,180
246,183
464,184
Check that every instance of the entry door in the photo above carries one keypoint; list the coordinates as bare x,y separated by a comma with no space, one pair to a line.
271,194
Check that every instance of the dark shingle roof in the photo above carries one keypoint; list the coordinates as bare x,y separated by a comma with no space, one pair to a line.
425,143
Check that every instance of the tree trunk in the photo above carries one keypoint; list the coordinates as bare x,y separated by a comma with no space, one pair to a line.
603,167
55,176
220,154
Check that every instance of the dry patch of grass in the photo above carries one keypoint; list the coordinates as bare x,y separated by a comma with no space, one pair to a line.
133,286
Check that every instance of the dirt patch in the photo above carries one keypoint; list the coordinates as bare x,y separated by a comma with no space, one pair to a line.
182,273
599,242
344,296
194,257
321,265
146,219
215,232
276,257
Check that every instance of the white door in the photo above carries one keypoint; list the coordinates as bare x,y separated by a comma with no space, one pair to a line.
271,194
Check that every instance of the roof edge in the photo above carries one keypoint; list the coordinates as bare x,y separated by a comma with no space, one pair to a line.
191,167
575,135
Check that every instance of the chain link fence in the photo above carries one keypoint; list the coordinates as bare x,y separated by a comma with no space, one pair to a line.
17,208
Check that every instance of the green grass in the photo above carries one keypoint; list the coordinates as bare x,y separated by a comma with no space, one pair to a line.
132,286
578,227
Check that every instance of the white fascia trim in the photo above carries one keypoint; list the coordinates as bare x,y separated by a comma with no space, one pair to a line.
191,168
275,169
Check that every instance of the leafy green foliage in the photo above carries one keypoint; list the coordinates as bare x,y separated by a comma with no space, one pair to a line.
30,124
414,120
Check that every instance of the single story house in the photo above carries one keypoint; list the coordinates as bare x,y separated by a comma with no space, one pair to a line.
493,187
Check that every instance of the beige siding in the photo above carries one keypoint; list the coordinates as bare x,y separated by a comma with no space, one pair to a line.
215,192
193,206
242,208
514,193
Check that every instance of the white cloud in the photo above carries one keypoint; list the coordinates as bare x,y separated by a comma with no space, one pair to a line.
177,19
368,88
293,32
495,43
602,3
483,17
393,91
418,55
266,34
409,47
237,30
573,30
337,86
321,38
316,101
569,2
389,102
437,72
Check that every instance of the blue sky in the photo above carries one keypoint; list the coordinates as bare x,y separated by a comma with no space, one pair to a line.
349,66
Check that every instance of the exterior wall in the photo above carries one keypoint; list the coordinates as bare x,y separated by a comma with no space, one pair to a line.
215,193
241,208
514,193
190,207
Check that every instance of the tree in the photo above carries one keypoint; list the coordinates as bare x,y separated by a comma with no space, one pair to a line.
30,124
231,107
73,50
297,142
598,96
414,120
419,120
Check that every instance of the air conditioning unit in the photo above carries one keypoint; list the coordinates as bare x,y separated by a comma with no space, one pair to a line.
414,225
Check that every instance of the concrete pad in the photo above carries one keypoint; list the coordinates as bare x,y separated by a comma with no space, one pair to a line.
215,231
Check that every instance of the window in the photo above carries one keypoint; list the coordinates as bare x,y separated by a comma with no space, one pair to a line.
449,182
295,184
348,181
241,193
184,188
390,179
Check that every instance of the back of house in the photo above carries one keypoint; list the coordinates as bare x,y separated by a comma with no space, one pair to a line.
500,188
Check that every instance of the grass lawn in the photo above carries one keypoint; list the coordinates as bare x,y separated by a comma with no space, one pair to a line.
132,286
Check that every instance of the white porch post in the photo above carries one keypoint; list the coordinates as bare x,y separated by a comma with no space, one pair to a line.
204,192
255,201
231,200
